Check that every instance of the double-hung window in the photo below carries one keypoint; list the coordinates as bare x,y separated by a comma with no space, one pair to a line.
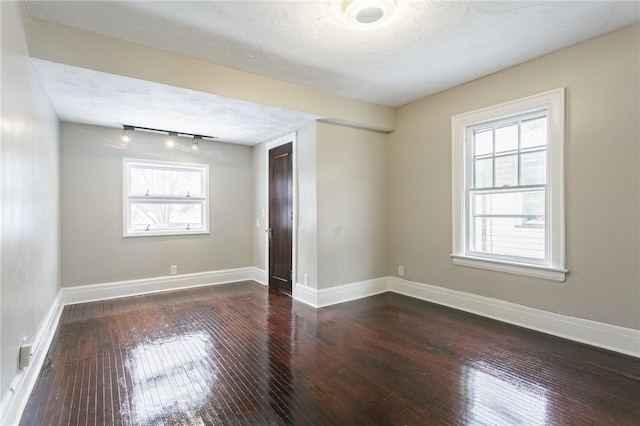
165,198
508,187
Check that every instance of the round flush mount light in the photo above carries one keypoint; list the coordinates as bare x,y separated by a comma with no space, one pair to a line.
369,15
364,14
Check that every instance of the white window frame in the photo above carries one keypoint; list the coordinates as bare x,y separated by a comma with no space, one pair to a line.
127,163
553,267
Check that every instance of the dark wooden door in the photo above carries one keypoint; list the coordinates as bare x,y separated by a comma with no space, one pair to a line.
280,217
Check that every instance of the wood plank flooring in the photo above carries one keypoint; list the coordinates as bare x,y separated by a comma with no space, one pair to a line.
243,355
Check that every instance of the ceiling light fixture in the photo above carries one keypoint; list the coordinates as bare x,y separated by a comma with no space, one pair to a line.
196,139
171,135
364,14
171,139
125,135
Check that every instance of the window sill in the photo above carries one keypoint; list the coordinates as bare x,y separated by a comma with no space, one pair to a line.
163,233
545,272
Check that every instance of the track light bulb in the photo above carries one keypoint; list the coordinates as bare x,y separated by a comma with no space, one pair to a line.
171,139
125,134
196,140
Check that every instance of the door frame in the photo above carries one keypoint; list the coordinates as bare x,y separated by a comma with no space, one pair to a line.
283,140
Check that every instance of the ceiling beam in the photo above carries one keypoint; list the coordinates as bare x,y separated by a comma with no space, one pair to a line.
58,43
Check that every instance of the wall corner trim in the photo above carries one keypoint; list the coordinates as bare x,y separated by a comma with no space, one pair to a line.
15,399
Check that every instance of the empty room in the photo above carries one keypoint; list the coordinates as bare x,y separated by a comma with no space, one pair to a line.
394,212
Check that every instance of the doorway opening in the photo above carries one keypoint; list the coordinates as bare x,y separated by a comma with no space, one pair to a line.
280,226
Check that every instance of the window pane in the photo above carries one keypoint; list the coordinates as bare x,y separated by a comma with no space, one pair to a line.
509,223
168,216
521,203
507,170
533,206
508,236
483,177
165,181
533,133
483,142
507,138
534,168
140,180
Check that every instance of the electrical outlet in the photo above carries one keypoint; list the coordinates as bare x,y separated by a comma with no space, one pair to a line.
257,223
401,270
173,269
26,351
305,279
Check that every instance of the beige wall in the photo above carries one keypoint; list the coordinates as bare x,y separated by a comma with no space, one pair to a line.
352,216
307,208
602,182
93,249
29,194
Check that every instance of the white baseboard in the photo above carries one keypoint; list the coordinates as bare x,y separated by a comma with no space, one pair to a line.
260,276
340,294
113,290
606,336
15,399
305,294
344,293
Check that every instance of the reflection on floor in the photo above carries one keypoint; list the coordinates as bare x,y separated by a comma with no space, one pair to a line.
242,354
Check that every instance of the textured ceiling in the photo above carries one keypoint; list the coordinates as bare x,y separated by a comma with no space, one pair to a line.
92,97
428,47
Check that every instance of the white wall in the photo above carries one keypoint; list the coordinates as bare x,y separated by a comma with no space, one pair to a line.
352,211
29,195
93,249
602,155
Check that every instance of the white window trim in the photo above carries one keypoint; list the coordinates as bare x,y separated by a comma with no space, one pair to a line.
553,102
126,162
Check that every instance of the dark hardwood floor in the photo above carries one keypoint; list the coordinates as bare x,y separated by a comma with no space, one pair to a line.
241,354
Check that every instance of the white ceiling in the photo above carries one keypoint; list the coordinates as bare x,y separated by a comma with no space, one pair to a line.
429,46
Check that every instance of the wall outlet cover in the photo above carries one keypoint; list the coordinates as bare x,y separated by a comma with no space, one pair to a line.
26,351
